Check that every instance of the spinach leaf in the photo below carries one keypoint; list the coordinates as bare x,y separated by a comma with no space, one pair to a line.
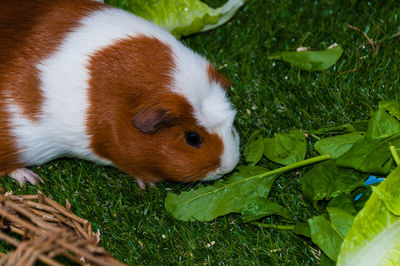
324,235
286,148
326,180
253,151
361,125
337,145
259,207
393,107
369,155
302,229
311,60
340,220
205,203
334,129
208,202
381,125
345,202
329,235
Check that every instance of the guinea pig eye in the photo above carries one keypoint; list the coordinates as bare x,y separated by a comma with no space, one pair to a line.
193,139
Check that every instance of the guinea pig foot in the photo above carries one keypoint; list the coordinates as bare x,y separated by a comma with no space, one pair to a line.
142,185
23,175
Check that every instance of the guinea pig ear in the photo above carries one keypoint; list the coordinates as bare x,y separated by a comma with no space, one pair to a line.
150,120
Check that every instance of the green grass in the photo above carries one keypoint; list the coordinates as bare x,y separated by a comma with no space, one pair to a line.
267,94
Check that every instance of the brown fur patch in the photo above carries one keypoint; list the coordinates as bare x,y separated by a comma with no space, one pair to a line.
217,77
29,32
127,78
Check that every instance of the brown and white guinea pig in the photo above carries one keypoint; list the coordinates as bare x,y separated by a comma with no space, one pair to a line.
79,78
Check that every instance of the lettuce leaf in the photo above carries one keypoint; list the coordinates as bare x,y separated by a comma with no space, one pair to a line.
180,17
374,238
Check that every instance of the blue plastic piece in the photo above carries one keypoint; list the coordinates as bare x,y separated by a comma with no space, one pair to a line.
370,181
358,196
373,180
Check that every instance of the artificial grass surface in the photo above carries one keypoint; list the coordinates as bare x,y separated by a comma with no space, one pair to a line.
268,95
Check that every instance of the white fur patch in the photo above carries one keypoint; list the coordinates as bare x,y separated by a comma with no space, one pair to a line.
48,138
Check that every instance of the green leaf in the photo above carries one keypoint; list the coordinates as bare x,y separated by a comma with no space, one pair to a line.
381,125
390,194
325,236
326,261
369,155
253,151
340,220
326,180
393,107
302,229
374,238
180,17
329,235
208,202
259,207
311,60
361,125
334,129
344,201
337,145
286,148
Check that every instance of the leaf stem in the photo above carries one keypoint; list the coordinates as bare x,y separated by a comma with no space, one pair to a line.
315,136
395,154
275,226
292,166
392,137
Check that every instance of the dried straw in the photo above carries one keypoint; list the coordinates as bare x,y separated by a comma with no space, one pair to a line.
47,230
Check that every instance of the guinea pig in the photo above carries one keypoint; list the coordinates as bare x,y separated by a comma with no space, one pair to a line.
79,78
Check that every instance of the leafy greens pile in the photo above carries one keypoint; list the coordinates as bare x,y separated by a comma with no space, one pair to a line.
180,17
350,230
